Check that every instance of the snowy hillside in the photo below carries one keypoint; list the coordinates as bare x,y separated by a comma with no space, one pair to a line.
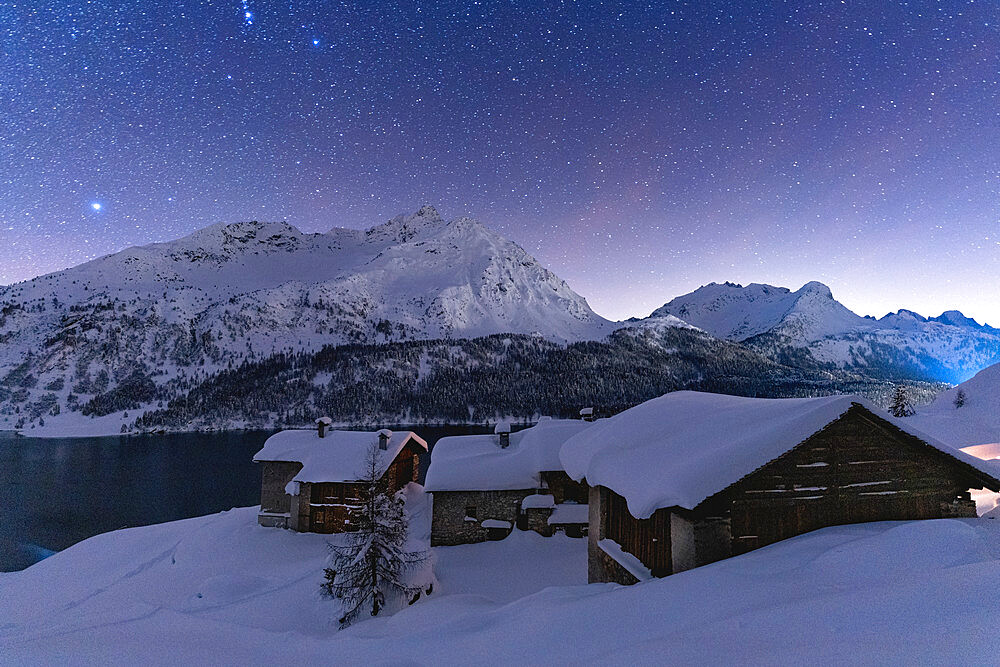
976,422
809,325
222,590
231,292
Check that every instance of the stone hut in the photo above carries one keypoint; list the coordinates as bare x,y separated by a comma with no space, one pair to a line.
311,479
480,483
691,478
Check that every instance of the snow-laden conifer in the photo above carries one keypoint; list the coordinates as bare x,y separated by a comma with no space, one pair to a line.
374,568
901,406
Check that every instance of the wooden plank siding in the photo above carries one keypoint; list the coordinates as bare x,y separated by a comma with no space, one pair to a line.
857,469
332,504
646,539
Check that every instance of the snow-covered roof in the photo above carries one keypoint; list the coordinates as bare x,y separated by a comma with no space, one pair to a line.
569,513
681,448
339,457
477,463
538,501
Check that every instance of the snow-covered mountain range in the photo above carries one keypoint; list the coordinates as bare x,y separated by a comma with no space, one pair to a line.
176,313
809,325
229,292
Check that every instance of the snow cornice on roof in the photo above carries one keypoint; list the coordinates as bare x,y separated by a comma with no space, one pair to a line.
682,448
340,456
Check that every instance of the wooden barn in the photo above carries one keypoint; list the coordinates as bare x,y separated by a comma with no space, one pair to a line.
311,479
484,485
691,478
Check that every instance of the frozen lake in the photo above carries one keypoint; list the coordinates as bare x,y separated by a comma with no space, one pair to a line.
55,492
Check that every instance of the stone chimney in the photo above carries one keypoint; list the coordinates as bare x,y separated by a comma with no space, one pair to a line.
502,429
383,439
322,424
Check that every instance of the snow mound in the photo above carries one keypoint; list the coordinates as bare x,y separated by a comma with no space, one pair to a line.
881,593
975,423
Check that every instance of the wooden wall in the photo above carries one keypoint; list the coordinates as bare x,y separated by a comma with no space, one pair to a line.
332,504
855,470
646,539
563,487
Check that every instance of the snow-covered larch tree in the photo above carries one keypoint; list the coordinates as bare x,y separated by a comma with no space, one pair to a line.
373,564
901,403
960,398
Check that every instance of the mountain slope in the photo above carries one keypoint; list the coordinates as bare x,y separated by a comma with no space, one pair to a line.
736,313
484,379
808,326
976,422
227,293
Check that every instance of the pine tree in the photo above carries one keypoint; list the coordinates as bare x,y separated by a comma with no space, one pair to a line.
960,398
374,564
901,403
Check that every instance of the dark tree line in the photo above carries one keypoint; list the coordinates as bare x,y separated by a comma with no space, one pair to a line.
480,379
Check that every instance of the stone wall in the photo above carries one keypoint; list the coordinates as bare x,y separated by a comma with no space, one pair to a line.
274,477
713,540
449,525
537,519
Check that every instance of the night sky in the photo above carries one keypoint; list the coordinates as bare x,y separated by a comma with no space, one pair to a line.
638,150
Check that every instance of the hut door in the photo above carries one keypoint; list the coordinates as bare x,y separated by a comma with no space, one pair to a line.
405,469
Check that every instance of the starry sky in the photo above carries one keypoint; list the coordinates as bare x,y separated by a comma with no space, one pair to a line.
639,150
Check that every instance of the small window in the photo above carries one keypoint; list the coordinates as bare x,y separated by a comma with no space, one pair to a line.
470,512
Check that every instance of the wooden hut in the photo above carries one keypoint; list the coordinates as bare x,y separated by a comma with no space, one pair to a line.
690,478
480,483
311,480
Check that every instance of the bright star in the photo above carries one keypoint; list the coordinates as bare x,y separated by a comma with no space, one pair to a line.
96,205
315,42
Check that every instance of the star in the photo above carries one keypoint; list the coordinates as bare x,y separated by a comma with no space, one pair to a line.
96,205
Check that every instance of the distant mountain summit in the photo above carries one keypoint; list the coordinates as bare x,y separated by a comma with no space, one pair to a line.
735,312
810,326
205,302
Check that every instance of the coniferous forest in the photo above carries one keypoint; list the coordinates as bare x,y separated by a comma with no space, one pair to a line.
477,380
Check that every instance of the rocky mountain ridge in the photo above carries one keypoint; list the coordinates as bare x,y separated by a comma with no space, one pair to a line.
809,326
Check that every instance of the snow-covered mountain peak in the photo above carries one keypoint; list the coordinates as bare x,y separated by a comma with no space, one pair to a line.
904,315
735,312
957,318
811,322
232,291
815,288
404,228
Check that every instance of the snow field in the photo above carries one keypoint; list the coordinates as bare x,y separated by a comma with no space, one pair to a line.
884,593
